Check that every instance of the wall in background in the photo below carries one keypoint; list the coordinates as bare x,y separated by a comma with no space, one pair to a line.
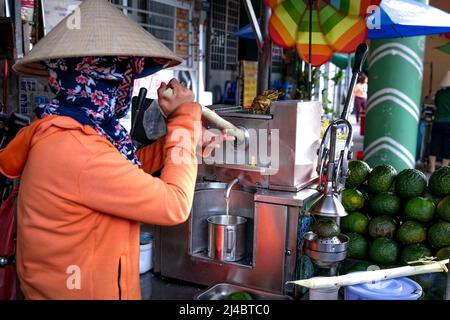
440,60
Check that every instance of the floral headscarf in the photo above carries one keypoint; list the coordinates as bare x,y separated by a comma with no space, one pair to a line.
96,91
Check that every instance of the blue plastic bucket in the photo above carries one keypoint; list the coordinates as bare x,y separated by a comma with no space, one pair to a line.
391,289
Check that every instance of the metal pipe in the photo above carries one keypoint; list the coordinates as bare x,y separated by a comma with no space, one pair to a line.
333,139
7,9
125,7
18,27
191,40
430,90
264,55
200,59
5,85
254,23
331,160
229,187
311,3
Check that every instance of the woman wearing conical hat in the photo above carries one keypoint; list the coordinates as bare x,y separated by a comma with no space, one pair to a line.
84,188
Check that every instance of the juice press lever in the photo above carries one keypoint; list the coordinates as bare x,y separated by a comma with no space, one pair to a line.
332,168
333,165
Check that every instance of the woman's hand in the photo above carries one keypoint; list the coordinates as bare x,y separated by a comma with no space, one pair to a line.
180,95
212,140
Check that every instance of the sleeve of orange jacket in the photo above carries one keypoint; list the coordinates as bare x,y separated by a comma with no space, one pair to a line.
113,185
152,157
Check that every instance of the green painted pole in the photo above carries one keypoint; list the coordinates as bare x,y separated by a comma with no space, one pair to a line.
393,110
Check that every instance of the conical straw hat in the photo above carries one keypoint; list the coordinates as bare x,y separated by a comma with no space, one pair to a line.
446,81
101,30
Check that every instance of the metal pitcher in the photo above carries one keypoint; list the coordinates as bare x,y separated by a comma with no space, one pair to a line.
226,237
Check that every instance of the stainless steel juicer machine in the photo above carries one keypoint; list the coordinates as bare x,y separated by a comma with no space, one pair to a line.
274,175
270,181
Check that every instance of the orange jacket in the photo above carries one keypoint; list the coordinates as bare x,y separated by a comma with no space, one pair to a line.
80,204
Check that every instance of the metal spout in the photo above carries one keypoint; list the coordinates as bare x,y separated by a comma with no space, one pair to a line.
230,186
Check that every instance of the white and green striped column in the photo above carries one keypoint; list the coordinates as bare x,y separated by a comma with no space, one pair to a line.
393,111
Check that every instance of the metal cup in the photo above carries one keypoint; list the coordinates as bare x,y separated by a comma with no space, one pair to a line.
226,237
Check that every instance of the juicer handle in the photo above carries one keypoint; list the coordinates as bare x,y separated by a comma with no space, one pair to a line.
360,57
221,123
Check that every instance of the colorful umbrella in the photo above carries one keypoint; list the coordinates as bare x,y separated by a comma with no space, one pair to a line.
336,26
407,18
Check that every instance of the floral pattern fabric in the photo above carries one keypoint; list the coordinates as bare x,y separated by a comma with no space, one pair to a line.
96,91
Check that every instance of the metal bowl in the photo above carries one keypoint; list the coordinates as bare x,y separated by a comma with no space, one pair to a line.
329,245
325,259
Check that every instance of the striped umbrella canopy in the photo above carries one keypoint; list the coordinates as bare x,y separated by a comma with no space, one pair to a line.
337,26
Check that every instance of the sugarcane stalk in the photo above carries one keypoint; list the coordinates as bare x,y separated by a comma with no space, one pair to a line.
371,276
220,122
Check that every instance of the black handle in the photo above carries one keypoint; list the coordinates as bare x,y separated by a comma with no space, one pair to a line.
360,57
140,100
139,105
